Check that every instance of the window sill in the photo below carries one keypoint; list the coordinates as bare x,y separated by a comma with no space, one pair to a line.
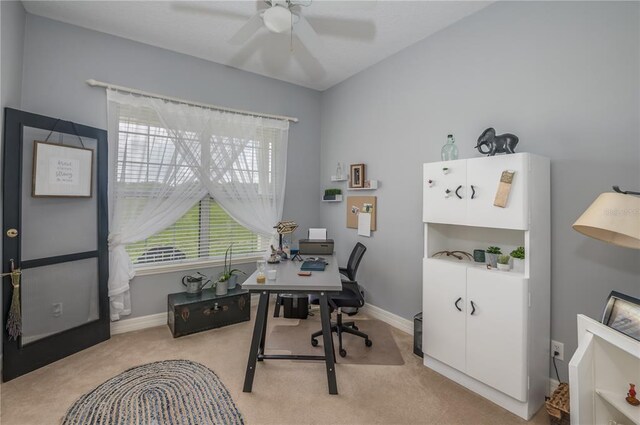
191,265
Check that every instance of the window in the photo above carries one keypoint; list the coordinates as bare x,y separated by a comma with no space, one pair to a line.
206,230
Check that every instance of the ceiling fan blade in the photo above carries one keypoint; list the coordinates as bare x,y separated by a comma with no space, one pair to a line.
248,29
307,36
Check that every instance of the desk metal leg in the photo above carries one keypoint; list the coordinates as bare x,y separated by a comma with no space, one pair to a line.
263,337
255,341
327,341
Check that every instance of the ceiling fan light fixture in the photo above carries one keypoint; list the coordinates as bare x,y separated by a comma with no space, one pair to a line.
277,19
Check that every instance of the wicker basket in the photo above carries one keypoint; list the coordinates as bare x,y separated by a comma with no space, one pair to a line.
558,405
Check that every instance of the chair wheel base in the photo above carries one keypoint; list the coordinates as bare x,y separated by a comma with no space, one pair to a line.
368,342
343,353
314,342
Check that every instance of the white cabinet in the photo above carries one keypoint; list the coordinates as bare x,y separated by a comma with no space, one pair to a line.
487,329
600,371
463,192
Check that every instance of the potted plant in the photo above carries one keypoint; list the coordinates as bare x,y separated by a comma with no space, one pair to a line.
332,195
229,277
503,263
491,256
518,259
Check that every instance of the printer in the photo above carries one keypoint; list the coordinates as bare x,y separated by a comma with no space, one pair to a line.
316,246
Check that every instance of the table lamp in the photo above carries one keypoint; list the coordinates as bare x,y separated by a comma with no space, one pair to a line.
284,228
613,218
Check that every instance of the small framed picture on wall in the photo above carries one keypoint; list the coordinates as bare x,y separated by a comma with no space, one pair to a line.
356,175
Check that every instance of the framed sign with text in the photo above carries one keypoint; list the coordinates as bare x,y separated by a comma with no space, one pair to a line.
61,171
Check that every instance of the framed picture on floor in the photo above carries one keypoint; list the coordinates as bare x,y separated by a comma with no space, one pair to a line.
61,171
356,175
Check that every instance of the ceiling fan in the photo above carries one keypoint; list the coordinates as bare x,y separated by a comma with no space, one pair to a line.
280,17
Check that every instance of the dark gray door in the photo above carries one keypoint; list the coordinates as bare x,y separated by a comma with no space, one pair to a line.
59,244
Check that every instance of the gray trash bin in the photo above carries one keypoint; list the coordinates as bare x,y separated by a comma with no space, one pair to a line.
417,335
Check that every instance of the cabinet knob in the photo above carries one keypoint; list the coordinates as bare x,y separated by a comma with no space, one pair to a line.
457,190
430,183
473,308
473,192
447,193
456,304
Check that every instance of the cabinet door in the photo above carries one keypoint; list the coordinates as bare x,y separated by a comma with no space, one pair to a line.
438,206
582,382
483,178
497,305
443,324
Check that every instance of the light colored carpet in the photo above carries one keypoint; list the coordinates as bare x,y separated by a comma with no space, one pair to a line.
297,340
284,392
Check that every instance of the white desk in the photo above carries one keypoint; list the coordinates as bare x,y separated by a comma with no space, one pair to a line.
287,280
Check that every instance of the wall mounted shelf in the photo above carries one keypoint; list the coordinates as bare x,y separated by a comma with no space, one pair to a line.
338,199
373,185
339,178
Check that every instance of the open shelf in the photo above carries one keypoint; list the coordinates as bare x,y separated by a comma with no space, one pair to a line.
617,401
373,186
339,178
480,266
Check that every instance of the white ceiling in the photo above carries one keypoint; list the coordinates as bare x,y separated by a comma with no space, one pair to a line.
354,34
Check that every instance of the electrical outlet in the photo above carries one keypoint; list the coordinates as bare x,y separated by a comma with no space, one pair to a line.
559,347
56,309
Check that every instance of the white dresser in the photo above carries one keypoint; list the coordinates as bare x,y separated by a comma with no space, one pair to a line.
488,329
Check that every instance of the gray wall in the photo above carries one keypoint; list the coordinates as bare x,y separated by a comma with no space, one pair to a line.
563,76
58,58
11,44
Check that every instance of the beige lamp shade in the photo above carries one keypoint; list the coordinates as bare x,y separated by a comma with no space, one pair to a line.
612,218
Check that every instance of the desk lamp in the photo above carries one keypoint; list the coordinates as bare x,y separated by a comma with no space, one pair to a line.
613,218
284,228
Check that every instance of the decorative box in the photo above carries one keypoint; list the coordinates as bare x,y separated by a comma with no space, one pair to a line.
189,314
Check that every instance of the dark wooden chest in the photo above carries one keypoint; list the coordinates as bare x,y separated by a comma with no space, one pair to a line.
188,314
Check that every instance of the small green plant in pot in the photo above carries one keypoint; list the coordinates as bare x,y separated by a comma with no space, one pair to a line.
491,256
503,262
332,194
229,277
518,259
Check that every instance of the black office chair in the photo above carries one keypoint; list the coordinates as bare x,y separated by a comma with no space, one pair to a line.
349,300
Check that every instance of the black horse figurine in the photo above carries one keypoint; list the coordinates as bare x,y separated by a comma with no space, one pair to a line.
504,143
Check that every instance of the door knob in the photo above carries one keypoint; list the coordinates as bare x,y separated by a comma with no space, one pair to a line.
12,233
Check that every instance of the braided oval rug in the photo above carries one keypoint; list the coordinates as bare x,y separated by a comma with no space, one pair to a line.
167,392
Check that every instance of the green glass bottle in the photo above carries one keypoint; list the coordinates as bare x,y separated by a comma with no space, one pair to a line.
449,151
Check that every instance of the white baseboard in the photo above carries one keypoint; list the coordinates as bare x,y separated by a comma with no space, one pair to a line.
138,323
394,320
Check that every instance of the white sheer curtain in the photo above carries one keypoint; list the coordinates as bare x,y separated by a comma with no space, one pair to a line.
238,160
